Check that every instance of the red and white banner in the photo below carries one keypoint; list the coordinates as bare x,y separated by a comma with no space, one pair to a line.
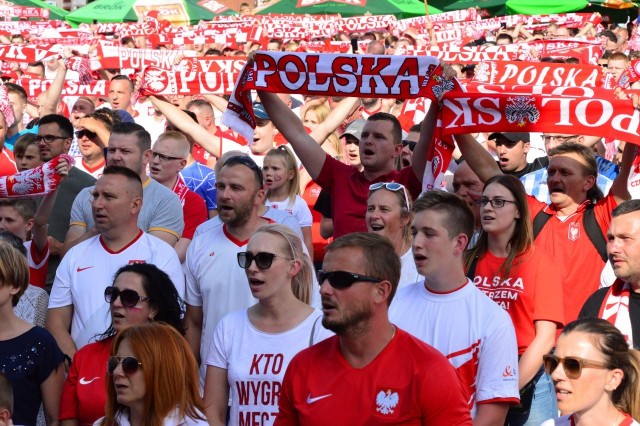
35,86
157,81
27,53
108,56
537,74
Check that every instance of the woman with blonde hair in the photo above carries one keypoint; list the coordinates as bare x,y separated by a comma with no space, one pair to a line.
316,114
154,379
252,347
596,375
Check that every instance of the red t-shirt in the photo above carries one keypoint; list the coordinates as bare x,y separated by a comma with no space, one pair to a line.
7,163
349,190
408,383
195,213
568,244
532,292
84,394
38,264
310,196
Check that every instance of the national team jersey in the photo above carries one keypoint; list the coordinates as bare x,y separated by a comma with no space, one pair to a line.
89,267
84,394
568,244
531,292
472,332
408,383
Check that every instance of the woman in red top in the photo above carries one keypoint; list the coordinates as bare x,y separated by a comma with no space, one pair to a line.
523,280
140,293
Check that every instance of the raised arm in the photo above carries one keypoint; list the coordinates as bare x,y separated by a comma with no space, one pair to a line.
218,102
336,117
619,189
478,158
41,218
54,91
286,121
419,157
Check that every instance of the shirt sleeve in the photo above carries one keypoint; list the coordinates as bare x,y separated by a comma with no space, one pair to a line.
195,213
61,290
193,295
302,212
218,353
69,401
168,217
79,208
50,355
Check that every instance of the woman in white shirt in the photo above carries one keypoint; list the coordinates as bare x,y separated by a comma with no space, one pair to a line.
252,347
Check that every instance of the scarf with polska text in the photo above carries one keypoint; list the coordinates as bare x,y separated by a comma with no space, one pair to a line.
332,75
615,309
38,181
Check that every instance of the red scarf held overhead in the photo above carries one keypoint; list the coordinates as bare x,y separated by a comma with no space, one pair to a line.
332,75
37,181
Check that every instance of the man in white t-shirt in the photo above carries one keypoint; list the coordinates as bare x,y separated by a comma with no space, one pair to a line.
77,309
216,285
448,312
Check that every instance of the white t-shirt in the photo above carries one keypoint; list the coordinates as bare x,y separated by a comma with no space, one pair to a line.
408,274
298,208
256,362
566,421
472,331
277,216
88,268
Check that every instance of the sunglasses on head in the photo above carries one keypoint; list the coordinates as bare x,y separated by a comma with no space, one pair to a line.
572,365
263,259
128,298
129,364
84,132
247,162
411,144
392,186
343,279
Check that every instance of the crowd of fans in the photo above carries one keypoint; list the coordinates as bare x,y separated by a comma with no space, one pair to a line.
179,274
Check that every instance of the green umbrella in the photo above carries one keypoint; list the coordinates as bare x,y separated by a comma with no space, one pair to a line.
400,8
494,7
544,7
184,11
55,13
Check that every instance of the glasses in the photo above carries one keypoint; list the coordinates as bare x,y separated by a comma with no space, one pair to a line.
343,279
165,158
248,162
411,144
129,298
572,365
561,139
263,259
496,203
48,139
392,186
129,364
88,133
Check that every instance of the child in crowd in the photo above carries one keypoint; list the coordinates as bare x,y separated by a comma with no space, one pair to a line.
283,189
26,152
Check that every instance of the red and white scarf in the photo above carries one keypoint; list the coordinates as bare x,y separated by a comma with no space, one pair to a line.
34,182
332,75
615,309
181,189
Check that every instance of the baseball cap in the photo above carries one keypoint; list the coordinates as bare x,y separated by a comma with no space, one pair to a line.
513,136
354,128
260,112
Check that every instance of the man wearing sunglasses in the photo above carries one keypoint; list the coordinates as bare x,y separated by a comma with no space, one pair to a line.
409,144
449,312
380,147
161,215
620,303
54,138
370,372
77,310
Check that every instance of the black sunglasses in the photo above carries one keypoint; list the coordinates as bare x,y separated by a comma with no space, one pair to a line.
412,145
128,298
85,132
248,162
263,259
343,279
572,365
129,364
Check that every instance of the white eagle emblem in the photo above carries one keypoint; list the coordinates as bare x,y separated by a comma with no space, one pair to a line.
386,401
522,109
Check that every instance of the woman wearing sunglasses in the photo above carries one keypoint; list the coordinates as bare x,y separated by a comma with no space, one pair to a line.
389,214
140,293
596,375
524,281
153,379
252,347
